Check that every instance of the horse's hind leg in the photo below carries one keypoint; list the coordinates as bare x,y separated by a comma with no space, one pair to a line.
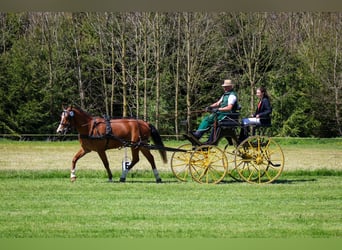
104,159
146,152
135,159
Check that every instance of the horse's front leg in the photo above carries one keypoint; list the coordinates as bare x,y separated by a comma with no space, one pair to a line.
77,156
104,159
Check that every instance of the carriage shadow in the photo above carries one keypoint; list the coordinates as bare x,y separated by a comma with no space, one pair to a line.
289,181
275,182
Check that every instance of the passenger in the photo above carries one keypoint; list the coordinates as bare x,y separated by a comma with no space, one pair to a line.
262,115
228,103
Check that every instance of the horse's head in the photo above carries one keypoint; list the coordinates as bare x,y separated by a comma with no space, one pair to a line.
65,123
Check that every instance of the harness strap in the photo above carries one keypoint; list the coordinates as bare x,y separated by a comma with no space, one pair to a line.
108,126
93,127
108,129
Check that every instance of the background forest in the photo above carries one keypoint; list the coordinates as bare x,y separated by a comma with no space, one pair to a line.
163,67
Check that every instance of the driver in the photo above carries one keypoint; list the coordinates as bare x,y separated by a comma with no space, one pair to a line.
228,103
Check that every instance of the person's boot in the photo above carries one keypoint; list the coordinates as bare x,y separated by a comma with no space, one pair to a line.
211,138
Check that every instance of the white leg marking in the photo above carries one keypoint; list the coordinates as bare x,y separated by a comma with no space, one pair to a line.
73,173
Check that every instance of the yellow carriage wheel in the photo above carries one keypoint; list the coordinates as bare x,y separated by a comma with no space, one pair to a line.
259,159
208,164
180,162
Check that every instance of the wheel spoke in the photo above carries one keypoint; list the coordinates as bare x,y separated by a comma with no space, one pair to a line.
262,159
208,164
180,162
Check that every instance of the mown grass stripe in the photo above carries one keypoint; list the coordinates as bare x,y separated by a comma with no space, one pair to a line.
53,207
36,174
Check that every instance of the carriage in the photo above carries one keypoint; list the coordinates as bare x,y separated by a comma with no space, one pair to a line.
257,159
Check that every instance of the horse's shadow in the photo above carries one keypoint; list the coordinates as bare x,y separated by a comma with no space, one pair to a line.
171,181
144,181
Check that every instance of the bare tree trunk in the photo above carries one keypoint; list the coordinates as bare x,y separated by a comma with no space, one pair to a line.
112,98
48,37
145,62
78,66
122,30
188,69
137,53
4,29
177,74
156,34
103,64
123,71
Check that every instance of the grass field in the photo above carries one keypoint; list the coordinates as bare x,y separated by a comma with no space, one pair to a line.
39,201
308,154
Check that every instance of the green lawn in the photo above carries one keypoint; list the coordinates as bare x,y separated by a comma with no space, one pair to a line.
37,204
39,201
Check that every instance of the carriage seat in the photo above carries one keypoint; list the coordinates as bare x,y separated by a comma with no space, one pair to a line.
231,120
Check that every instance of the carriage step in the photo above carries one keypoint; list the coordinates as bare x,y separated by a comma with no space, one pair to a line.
274,165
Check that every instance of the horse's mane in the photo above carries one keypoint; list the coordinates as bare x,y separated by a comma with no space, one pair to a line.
80,110
115,117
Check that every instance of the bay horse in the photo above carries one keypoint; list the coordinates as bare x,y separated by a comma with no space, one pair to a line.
99,134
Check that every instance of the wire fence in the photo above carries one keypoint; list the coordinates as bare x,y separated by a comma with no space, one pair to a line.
70,137
58,137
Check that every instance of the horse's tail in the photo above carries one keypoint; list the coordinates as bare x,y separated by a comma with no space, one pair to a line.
158,141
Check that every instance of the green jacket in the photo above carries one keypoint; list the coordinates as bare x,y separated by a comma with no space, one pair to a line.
210,119
224,103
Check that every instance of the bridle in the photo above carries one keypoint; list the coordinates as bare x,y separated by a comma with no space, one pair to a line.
67,124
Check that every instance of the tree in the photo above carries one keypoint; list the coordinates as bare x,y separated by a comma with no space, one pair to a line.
202,51
252,49
154,63
320,55
330,73
156,41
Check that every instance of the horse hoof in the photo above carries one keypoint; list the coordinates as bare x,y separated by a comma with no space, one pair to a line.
110,180
122,180
159,180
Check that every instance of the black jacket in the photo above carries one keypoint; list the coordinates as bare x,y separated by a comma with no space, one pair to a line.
264,110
